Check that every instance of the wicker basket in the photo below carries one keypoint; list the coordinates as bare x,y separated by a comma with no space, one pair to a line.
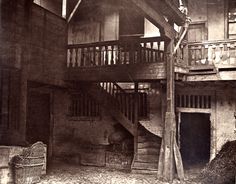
27,174
27,167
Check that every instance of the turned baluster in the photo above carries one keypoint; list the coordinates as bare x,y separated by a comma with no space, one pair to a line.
206,53
106,55
112,55
68,57
94,56
192,55
151,44
228,52
82,56
221,46
118,54
159,49
145,52
213,52
73,57
99,56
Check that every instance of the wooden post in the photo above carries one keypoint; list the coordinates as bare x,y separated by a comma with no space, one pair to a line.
135,117
166,159
64,7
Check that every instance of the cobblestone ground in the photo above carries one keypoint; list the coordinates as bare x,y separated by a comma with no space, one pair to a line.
71,174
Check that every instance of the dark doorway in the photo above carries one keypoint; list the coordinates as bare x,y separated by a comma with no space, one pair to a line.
38,118
195,138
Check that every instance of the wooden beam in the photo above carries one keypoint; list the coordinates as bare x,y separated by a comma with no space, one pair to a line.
155,17
64,7
166,169
170,155
74,10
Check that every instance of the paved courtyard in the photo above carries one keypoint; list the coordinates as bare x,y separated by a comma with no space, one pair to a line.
74,174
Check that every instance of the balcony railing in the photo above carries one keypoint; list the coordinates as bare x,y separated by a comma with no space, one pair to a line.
120,52
212,53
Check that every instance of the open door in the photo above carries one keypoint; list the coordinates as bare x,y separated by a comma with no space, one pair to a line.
194,138
38,118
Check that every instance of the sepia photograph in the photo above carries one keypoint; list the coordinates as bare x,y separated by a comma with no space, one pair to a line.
118,91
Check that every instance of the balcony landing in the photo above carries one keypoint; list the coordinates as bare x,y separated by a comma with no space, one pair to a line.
221,72
118,73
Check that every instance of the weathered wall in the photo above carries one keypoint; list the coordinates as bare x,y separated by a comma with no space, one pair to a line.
101,24
150,30
225,120
47,43
54,6
223,107
69,135
34,39
197,10
216,20
210,12
33,42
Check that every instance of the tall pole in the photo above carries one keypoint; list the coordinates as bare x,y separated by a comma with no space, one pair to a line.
166,159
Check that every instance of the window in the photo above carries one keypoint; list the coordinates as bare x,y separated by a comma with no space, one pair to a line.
83,107
232,19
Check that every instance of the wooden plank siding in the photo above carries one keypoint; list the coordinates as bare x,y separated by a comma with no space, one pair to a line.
118,73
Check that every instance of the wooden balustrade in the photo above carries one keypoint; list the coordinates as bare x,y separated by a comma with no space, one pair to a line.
125,100
116,52
212,53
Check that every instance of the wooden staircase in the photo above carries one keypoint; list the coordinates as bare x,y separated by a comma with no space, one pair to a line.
147,155
112,97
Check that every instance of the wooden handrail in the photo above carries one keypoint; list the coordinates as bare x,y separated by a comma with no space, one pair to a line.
212,52
117,42
116,52
211,42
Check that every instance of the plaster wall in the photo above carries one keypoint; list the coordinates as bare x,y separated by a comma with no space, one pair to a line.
54,6
69,135
34,40
222,112
212,13
225,120
96,27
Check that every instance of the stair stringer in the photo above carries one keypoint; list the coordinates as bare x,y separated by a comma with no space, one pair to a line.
110,104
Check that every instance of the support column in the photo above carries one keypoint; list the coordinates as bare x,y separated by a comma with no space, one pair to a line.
169,151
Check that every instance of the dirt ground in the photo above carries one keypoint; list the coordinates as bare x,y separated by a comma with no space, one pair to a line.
74,174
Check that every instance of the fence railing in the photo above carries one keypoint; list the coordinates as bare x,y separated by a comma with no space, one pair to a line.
126,51
212,52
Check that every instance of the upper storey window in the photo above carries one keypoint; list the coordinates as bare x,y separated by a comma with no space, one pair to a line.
232,19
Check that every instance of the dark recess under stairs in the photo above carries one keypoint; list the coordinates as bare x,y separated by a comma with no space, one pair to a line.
148,144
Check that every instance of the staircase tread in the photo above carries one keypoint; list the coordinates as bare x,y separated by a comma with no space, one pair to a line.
143,171
147,169
152,162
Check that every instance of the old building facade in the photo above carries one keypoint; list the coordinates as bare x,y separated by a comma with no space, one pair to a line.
101,84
